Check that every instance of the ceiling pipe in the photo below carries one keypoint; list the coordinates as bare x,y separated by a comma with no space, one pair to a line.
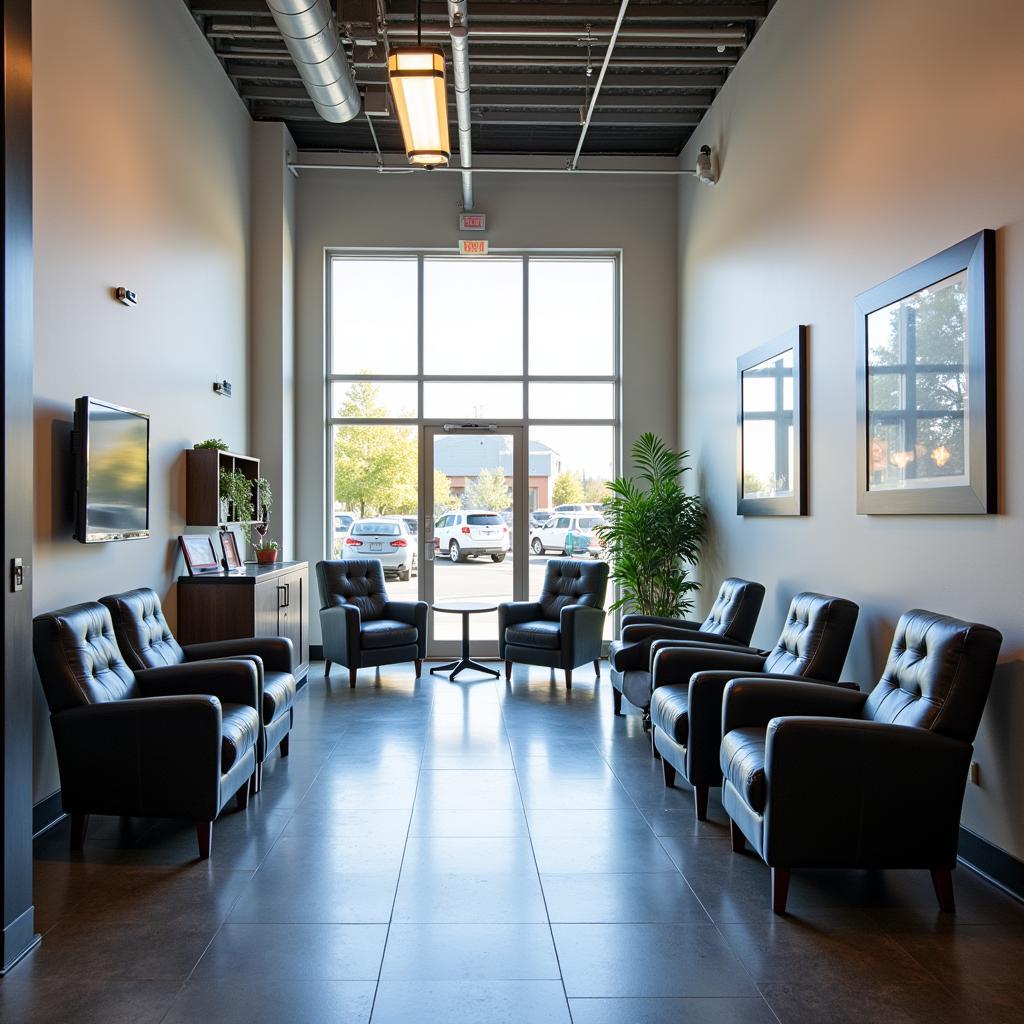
310,32
597,84
397,169
457,16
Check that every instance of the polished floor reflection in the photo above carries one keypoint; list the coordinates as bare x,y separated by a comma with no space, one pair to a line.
487,853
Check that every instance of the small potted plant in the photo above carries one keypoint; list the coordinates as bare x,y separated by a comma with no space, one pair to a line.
266,551
264,499
225,490
211,443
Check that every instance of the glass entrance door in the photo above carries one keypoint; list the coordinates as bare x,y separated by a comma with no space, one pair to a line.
473,516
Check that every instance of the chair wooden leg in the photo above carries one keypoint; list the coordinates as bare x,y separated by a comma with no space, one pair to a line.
257,778
204,833
943,881
79,825
568,678
283,745
668,772
780,889
617,702
508,670
597,667
327,668
352,673
739,840
700,802
419,667
242,796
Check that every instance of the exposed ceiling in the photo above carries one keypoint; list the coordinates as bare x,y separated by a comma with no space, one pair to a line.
528,70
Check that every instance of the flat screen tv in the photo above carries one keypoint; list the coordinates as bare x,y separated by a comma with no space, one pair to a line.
111,450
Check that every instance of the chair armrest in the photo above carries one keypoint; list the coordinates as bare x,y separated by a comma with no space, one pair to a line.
581,628
156,756
676,663
276,652
414,613
639,631
757,702
635,619
510,613
231,682
863,793
339,626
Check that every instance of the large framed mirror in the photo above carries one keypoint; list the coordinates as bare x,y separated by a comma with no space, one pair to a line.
771,411
926,386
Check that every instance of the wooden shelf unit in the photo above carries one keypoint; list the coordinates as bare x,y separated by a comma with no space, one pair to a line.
202,484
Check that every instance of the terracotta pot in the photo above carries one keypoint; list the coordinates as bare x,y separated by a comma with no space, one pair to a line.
266,557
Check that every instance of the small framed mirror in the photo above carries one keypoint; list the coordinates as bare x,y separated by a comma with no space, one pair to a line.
926,386
771,411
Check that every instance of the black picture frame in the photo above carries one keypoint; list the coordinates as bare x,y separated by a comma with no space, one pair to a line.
973,490
200,557
794,501
229,546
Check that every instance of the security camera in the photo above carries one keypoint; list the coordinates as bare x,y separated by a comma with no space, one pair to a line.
707,169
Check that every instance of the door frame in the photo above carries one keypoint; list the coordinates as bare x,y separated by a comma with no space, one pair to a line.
481,647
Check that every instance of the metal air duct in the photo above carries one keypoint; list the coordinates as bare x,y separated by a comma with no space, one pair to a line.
460,73
310,32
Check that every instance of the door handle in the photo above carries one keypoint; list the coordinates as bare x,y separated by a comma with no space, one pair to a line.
282,588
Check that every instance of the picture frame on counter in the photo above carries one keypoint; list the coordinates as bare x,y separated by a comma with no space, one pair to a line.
200,557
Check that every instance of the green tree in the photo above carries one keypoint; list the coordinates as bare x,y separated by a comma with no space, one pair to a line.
444,499
375,469
566,490
596,491
489,491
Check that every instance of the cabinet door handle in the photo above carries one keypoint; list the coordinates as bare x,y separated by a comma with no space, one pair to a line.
282,587
287,595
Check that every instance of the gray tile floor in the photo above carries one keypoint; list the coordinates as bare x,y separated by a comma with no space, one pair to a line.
493,854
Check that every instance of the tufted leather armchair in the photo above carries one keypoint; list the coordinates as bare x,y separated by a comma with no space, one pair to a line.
690,679
146,641
821,777
361,625
170,742
731,620
562,629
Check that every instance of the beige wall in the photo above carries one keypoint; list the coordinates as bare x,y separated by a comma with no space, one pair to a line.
857,139
141,178
636,215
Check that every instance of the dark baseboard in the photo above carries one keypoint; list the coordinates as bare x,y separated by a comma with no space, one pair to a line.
46,814
993,864
316,652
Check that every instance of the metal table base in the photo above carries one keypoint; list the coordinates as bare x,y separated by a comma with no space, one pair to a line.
455,667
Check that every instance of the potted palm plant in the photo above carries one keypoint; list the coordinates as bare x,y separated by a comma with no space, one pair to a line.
653,531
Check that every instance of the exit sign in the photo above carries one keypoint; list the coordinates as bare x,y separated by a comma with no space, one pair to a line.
472,246
472,221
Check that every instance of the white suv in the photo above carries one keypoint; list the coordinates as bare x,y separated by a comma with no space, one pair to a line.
568,534
461,535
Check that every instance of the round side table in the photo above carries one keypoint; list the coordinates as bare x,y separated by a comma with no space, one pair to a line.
465,609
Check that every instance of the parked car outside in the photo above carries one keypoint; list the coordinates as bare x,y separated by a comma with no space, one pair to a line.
472,532
568,534
386,539
539,516
342,522
412,523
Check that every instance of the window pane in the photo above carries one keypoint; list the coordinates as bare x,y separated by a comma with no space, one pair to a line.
369,399
572,317
574,400
472,316
373,315
475,400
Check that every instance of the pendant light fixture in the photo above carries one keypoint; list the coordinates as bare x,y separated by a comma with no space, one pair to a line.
416,74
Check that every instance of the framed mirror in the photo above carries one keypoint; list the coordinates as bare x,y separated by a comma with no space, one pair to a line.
771,411
926,386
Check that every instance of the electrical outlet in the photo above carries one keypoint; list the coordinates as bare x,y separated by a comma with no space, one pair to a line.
975,774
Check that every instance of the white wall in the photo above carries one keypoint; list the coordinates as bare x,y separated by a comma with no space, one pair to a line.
636,215
141,178
857,139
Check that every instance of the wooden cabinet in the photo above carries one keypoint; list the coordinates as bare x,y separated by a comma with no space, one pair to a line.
267,600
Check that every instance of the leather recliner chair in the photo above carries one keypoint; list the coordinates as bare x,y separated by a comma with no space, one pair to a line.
361,626
731,620
172,742
146,641
563,628
821,777
689,680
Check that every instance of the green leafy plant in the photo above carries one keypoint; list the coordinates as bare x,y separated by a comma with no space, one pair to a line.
266,545
213,443
236,489
264,498
653,531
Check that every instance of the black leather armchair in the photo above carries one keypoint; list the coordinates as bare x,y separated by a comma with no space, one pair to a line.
564,627
361,626
146,641
731,621
820,777
172,742
690,679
